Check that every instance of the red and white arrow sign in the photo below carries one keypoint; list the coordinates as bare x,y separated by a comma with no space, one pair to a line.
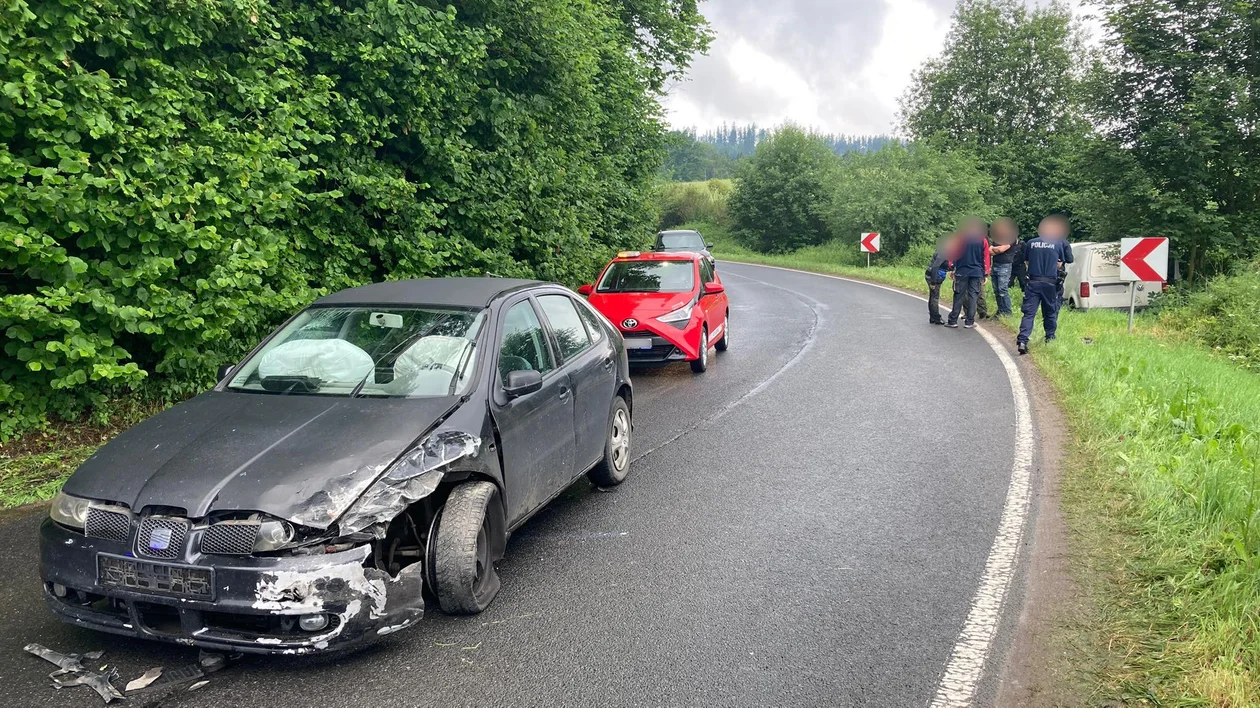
1144,259
870,243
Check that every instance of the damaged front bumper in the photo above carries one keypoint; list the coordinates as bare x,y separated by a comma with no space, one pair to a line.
247,603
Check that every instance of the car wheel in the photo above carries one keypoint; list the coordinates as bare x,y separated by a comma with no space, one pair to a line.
469,540
725,342
701,365
612,470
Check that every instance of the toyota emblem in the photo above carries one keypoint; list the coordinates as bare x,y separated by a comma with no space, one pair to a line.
629,323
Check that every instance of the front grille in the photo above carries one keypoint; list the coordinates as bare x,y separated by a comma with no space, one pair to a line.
106,524
161,536
230,537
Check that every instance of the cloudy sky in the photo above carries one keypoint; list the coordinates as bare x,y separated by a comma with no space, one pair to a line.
838,65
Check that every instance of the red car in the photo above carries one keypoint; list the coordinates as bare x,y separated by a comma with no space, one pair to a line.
669,306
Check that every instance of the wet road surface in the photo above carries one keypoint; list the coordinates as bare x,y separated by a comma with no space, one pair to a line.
805,524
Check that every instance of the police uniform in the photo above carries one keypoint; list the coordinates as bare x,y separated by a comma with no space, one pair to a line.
1043,257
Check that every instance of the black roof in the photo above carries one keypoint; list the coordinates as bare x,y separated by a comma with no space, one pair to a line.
447,292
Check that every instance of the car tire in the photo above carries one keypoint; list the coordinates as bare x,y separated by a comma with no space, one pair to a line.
613,469
701,364
469,540
722,344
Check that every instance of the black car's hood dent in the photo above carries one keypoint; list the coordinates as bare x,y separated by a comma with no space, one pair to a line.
301,458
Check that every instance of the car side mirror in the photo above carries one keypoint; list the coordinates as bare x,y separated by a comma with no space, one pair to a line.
225,370
708,245
585,290
713,288
522,383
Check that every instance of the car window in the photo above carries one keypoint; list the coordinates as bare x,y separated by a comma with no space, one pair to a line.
706,271
648,277
367,351
689,240
593,325
566,324
524,344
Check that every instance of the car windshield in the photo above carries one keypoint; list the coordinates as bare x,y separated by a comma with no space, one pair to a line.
648,277
687,239
367,351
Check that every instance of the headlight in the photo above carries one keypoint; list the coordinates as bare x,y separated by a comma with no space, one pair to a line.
69,511
273,534
412,477
682,314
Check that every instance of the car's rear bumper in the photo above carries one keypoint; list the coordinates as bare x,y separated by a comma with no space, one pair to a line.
254,604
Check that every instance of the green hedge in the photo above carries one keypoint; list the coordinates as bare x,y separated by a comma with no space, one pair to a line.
177,176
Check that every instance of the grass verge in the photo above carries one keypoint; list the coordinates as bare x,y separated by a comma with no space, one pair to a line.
1161,495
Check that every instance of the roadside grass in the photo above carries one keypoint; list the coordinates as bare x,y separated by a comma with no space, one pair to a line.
1161,496
34,466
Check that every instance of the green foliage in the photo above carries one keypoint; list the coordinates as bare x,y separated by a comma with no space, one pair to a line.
1178,99
782,192
912,195
1222,316
691,160
176,178
1007,91
682,202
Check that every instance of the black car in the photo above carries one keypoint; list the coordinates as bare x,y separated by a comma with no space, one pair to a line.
384,442
683,241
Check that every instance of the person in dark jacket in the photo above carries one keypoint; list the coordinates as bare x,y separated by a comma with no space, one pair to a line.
1045,256
935,274
971,268
1006,246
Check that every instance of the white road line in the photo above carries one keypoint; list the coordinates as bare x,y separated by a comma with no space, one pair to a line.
963,671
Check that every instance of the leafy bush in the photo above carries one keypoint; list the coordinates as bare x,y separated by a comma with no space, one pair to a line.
682,202
1221,316
177,177
911,194
782,191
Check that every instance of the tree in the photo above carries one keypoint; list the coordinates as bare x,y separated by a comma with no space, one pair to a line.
910,194
1177,99
782,192
1007,90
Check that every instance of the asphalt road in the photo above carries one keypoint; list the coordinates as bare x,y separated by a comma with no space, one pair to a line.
806,524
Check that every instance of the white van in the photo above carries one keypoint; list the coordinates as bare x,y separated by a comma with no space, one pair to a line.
1093,279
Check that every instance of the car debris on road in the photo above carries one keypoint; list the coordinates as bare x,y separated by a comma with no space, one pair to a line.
71,672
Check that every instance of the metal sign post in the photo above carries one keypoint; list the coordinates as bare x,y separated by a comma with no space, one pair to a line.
1132,303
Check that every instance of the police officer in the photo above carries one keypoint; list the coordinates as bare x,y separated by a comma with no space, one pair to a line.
1045,255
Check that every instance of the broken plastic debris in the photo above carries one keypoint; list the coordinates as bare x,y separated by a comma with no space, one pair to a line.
413,477
144,679
197,685
71,672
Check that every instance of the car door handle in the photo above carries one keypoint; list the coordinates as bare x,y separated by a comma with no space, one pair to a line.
608,363
564,393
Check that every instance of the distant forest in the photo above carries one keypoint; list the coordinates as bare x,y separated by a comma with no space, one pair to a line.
715,153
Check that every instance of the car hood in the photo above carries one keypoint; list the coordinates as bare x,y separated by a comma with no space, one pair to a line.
617,307
301,458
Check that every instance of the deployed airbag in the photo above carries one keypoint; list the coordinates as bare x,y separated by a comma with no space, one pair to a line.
333,361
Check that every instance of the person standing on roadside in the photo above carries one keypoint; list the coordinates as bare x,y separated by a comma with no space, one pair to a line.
1006,248
935,275
1044,255
971,268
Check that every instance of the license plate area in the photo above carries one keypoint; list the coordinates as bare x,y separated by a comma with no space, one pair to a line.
638,342
188,581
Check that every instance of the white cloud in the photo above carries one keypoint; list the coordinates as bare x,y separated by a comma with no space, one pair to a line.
838,65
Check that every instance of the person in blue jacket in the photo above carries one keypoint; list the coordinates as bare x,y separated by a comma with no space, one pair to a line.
1045,255
971,268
